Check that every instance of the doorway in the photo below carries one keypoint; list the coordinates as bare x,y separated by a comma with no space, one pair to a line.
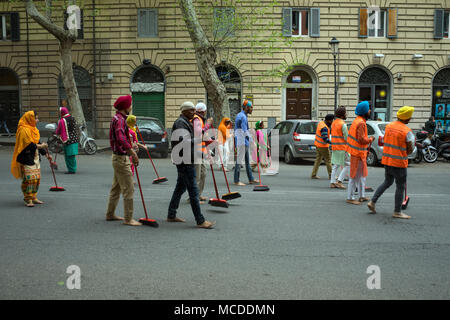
9,98
299,94
374,86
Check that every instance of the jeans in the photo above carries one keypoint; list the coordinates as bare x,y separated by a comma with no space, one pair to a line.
391,174
186,181
237,167
3,124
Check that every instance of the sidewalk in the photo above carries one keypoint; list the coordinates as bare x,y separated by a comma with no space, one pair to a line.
102,144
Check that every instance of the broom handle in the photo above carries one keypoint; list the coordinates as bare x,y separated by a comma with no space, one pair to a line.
214,179
257,162
223,169
51,167
148,153
140,190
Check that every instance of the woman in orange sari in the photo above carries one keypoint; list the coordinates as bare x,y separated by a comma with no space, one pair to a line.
25,163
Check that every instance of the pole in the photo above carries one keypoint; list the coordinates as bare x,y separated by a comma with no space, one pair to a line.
335,83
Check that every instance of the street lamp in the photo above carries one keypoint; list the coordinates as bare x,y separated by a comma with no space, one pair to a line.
334,43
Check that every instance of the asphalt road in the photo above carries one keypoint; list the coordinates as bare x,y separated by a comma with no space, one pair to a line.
300,240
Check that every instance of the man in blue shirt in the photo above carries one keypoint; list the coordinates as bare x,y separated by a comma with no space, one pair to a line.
242,137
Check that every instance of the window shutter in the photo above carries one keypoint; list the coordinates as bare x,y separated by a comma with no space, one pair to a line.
439,23
147,23
392,23
314,23
15,26
287,22
81,31
363,22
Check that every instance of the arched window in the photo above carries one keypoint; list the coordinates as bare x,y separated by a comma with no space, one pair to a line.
375,87
84,87
148,86
231,79
441,100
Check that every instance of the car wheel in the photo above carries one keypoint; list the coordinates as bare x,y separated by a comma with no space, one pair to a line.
372,159
288,157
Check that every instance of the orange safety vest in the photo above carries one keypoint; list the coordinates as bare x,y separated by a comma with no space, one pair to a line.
353,146
394,149
319,142
338,142
203,128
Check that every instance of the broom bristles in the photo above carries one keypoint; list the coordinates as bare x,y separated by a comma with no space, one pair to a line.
231,196
218,203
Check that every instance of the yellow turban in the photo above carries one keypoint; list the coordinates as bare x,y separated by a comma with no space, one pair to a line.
131,122
405,113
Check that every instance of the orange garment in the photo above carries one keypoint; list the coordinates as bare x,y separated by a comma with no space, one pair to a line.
395,148
26,133
337,136
224,132
357,145
203,128
319,142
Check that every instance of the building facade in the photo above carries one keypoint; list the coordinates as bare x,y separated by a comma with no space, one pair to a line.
392,53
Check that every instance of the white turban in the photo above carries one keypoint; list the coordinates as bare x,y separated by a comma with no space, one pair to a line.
187,105
200,107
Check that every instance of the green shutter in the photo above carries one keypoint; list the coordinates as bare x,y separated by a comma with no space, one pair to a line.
149,105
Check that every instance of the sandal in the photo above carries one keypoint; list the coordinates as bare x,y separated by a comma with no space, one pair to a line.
29,203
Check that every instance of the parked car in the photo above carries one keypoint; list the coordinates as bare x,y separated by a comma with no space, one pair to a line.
376,129
154,135
297,139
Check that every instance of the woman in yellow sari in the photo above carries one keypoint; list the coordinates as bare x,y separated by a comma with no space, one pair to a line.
25,162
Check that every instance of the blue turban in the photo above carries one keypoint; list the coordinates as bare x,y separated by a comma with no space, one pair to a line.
362,108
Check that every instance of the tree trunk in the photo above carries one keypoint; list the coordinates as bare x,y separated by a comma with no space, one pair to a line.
68,79
206,62
66,39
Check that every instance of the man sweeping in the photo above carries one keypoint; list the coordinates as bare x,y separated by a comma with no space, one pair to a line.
398,143
322,144
183,158
339,135
122,150
201,125
357,145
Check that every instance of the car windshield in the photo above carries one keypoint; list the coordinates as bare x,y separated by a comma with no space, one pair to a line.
307,128
149,124
382,127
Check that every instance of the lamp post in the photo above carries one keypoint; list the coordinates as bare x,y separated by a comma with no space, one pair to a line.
335,51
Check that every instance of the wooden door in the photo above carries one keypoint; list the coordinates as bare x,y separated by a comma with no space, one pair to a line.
298,103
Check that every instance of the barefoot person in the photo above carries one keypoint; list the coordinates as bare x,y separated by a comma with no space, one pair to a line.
122,150
339,135
25,163
183,130
357,144
398,143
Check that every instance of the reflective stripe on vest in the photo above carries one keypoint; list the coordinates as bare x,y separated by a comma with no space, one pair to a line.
337,138
353,146
395,149
319,142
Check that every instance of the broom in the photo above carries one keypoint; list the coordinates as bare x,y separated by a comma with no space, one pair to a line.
260,186
406,201
216,202
158,179
145,221
55,188
230,195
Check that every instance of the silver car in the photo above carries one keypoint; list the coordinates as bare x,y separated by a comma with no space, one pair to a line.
297,139
376,129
